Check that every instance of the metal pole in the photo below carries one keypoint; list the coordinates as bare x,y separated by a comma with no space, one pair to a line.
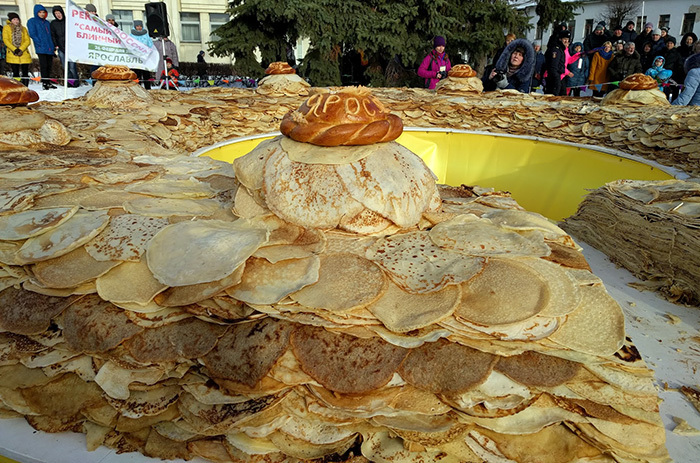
641,26
65,56
165,68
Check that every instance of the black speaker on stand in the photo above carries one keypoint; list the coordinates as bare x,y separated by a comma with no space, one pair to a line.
157,19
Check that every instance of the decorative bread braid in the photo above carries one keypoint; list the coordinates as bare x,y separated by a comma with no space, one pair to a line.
14,93
462,70
113,73
279,67
345,118
639,82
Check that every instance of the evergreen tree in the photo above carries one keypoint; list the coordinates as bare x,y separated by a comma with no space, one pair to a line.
555,11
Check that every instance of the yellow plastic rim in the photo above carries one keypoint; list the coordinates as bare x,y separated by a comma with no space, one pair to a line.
546,176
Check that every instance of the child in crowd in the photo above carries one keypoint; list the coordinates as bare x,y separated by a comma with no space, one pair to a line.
172,77
658,72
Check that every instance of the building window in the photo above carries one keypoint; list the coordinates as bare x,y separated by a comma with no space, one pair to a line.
664,20
125,19
190,27
588,28
688,23
217,20
641,21
571,27
5,9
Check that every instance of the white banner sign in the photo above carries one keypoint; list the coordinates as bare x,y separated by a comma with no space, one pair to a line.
91,40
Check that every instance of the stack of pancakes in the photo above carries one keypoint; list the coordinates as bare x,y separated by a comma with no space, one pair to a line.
167,308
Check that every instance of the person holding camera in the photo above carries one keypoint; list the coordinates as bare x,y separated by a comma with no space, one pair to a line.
513,69
435,65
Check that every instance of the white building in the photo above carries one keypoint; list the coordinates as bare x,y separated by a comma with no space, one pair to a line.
680,16
192,22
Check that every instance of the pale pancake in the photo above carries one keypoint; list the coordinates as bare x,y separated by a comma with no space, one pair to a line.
26,312
337,155
517,220
91,199
73,233
380,447
351,280
189,253
310,195
506,291
249,168
417,265
65,396
146,403
474,236
70,270
92,325
8,250
564,293
247,352
33,222
130,282
266,283
166,207
344,363
596,327
125,238
400,311
172,188
245,205
393,182
309,243
444,367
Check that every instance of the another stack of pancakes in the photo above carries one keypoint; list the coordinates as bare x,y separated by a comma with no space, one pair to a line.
461,78
335,305
637,89
281,79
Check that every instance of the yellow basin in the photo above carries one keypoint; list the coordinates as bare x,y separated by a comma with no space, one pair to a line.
545,176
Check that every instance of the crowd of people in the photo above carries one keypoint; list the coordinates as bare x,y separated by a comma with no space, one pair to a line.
600,62
49,40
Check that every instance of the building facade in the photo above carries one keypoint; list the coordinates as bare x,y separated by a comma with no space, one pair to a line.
680,16
192,23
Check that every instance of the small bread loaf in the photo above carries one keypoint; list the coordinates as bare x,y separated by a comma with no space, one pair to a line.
279,67
110,72
639,82
352,116
461,70
14,93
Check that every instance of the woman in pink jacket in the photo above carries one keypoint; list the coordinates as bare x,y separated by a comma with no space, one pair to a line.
436,65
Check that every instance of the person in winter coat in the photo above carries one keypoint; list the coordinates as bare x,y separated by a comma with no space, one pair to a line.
577,70
658,72
665,36
539,66
169,82
674,63
691,86
40,32
628,33
3,52
16,38
436,64
112,20
686,46
514,68
554,38
657,43
598,73
644,36
201,65
597,38
58,36
555,64
166,49
625,64
141,34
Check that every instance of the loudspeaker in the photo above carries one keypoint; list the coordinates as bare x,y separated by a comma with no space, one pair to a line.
157,19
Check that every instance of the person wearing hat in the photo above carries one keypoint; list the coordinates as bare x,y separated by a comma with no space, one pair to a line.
618,46
58,35
40,32
172,76
617,34
201,64
112,20
625,63
644,36
141,34
657,43
513,69
539,66
664,34
554,38
674,63
555,64
90,8
16,38
436,64
628,33
597,38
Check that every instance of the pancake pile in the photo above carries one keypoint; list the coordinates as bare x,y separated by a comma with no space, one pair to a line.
281,79
325,303
461,78
661,217
637,89
117,88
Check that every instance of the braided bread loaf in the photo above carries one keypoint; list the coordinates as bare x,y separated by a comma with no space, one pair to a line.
110,72
279,67
461,70
14,93
349,117
638,82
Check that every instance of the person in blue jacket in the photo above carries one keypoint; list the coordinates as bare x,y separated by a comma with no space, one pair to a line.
40,31
691,86
577,70
513,69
